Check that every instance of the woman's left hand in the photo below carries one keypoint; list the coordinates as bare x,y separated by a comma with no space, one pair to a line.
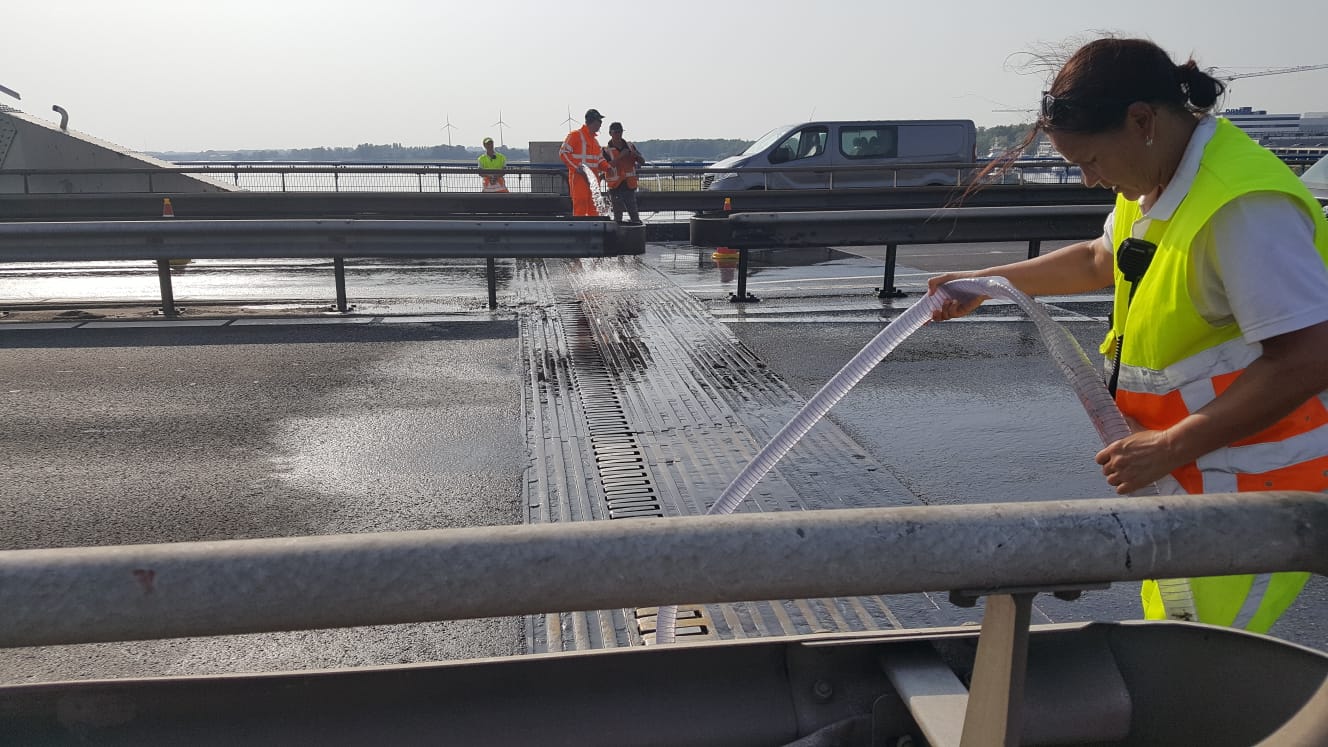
1138,459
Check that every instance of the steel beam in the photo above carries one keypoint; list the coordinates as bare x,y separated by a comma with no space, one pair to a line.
77,595
238,239
456,204
912,226
254,205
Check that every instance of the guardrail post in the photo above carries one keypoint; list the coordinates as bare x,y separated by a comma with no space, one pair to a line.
742,296
888,289
167,294
492,276
1034,247
996,697
339,271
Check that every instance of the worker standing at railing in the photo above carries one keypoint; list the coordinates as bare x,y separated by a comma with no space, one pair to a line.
1218,348
491,160
623,159
581,151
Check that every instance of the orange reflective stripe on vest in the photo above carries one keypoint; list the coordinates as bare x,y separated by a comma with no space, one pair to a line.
622,166
581,149
1173,363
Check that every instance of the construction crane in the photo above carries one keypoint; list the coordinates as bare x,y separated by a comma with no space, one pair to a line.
1216,72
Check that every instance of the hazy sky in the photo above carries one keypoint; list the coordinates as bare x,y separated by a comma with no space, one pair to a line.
193,75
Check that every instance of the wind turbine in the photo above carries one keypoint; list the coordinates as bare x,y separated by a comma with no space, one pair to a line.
569,121
500,124
449,127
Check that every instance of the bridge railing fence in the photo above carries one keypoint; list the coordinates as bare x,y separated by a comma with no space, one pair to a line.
527,178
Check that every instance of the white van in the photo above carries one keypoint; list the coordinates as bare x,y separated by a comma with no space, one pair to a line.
819,155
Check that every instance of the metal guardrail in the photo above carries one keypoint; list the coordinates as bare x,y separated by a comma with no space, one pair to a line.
444,177
164,240
138,206
81,595
311,177
749,231
1008,552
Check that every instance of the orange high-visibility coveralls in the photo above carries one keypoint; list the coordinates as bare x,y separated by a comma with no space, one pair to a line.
580,148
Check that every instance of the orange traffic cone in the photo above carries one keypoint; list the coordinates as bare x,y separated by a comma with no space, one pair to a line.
166,210
723,254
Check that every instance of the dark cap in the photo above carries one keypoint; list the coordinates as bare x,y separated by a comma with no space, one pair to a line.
487,141
615,127
593,114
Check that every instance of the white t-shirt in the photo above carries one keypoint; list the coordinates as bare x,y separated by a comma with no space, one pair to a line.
1254,262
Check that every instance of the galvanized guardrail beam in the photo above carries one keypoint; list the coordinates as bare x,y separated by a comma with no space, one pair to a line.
434,205
914,226
206,205
251,239
746,231
167,239
78,595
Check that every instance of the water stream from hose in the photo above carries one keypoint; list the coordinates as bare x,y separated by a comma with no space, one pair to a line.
602,205
1069,357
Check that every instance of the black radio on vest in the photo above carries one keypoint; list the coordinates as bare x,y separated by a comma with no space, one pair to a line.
1132,257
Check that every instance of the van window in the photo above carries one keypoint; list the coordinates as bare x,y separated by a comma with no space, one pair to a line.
805,143
937,141
869,142
765,141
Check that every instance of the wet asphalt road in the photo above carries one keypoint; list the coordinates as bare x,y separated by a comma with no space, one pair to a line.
122,436
268,431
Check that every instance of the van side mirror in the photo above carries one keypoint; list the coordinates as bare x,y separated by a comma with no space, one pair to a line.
779,156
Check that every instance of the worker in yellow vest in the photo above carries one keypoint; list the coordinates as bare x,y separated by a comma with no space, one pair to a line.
1218,348
494,162
623,158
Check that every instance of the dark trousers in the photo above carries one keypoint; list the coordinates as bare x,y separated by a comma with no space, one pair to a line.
624,198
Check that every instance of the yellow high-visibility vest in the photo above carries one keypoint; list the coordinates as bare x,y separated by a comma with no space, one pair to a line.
1174,362
493,182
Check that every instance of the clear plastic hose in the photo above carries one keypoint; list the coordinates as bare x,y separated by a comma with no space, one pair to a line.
1065,351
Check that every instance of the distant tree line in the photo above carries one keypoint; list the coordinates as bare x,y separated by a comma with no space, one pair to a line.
364,152
1002,137
713,149
691,150
655,150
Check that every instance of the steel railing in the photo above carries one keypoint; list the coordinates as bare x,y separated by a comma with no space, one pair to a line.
165,240
80,595
1007,552
443,177
765,230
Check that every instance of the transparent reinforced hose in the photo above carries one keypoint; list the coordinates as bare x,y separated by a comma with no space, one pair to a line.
1065,351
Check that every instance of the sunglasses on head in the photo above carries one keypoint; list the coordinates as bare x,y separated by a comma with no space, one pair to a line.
1061,107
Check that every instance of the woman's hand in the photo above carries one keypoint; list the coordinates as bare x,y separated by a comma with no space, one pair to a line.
1141,458
950,307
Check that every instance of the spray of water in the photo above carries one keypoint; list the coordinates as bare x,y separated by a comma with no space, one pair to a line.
602,205
1064,349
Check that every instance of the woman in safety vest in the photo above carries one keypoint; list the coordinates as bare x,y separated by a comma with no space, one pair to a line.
1218,347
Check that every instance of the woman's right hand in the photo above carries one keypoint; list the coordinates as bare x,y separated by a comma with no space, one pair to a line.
950,307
